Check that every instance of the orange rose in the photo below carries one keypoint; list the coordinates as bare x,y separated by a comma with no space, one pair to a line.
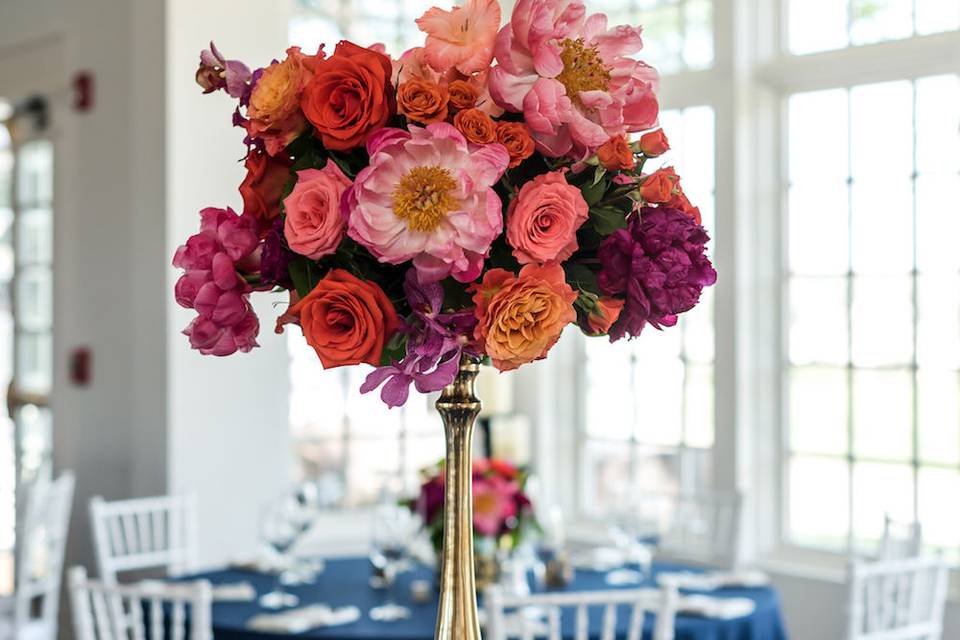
660,186
681,202
598,313
349,96
422,101
521,317
346,320
516,138
261,189
476,126
615,154
654,144
463,95
274,110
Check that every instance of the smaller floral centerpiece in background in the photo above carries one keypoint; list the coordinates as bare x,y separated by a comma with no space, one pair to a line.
502,512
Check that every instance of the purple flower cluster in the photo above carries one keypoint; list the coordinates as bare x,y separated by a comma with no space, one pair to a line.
275,257
435,341
659,263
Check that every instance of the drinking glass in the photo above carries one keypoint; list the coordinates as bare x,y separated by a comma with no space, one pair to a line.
278,534
394,529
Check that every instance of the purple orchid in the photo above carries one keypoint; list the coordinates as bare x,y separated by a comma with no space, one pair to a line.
216,72
435,341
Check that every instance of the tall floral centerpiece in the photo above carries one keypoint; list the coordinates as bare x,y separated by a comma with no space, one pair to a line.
465,201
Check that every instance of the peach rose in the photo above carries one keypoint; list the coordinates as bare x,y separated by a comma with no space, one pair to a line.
654,144
542,220
346,320
516,138
521,317
274,109
314,226
349,97
476,126
261,188
463,95
422,101
615,154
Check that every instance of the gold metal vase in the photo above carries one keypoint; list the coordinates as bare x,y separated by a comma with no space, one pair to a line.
458,406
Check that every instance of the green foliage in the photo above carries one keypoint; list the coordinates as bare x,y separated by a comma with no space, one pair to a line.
608,218
580,276
394,350
305,274
455,295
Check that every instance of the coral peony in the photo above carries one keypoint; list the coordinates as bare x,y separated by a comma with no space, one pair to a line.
349,97
543,219
461,38
521,317
427,196
346,320
493,504
261,188
571,77
659,263
273,112
314,226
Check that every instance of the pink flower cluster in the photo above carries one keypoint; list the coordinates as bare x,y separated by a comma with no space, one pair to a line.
212,284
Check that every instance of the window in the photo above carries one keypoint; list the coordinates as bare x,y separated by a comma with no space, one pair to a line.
364,21
821,25
648,403
874,302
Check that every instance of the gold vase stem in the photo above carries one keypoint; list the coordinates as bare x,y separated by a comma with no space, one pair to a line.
458,406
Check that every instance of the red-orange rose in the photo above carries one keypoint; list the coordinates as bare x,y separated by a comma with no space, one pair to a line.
476,126
615,154
596,315
463,95
654,144
422,101
349,96
261,189
516,138
346,320
660,186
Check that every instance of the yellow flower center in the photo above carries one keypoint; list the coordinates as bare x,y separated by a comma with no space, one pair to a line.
424,196
583,69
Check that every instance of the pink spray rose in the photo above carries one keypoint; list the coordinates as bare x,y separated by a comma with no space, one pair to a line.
543,219
428,196
212,283
571,77
314,227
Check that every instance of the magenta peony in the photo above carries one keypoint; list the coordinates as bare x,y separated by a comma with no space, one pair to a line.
571,77
427,196
658,263
213,286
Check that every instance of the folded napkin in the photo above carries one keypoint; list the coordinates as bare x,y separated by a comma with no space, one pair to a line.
599,559
234,592
718,608
711,580
303,619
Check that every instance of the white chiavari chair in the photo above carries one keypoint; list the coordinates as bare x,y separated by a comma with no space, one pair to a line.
901,540
154,611
897,599
144,533
501,626
703,528
31,613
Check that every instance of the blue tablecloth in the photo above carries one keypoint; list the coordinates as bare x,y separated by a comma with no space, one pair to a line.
345,582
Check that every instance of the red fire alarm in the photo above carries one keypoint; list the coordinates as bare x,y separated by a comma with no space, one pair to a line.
83,91
80,369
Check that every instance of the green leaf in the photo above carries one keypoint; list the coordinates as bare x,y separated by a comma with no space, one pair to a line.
607,219
305,274
598,175
455,295
394,350
593,193
580,276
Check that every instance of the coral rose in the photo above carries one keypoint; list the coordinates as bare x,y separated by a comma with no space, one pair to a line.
274,108
654,144
314,226
615,154
515,137
521,317
346,320
461,38
422,101
261,189
349,97
463,94
476,126
543,219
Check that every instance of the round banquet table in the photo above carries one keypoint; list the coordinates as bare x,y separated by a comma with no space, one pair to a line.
345,581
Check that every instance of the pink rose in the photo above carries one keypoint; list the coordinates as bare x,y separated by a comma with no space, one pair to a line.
314,226
543,219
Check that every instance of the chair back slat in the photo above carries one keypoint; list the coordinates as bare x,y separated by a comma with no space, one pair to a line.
900,540
635,630
609,622
144,533
583,622
103,611
897,599
553,622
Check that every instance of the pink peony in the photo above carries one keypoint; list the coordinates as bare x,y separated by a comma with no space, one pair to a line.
213,286
493,503
428,196
314,226
571,78
543,219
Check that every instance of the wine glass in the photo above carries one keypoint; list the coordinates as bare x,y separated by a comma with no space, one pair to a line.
394,528
278,534
301,507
